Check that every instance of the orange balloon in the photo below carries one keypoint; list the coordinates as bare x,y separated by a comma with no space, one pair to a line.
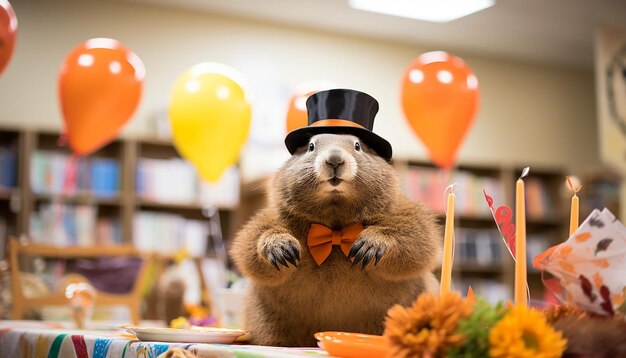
100,86
8,33
297,116
440,100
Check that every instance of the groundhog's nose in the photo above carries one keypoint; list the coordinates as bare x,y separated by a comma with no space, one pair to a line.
335,160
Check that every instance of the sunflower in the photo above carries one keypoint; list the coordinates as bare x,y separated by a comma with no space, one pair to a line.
427,328
525,333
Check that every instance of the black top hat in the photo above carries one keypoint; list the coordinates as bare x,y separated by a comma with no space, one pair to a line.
340,111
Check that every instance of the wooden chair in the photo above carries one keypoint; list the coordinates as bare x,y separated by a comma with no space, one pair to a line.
132,299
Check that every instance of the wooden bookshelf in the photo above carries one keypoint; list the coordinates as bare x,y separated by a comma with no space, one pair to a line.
18,204
11,144
551,227
79,251
153,204
79,198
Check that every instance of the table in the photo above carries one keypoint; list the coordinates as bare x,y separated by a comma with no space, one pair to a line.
52,340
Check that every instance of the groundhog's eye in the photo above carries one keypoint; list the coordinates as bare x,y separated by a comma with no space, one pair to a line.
311,147
357,146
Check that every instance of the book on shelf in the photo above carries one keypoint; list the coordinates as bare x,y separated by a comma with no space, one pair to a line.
601,192
175,181
108,231
535,245
480,247
51,170
427,185
166,181
105,174
73,225
225,193
8,168
167,233
538,201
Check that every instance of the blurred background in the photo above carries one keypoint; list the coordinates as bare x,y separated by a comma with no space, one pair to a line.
552,96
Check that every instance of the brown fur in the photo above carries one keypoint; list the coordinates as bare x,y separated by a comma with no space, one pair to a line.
287,306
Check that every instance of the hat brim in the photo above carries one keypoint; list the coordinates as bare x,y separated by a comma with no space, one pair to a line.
301,136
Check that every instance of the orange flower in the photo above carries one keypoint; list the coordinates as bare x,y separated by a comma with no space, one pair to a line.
428,327
556,312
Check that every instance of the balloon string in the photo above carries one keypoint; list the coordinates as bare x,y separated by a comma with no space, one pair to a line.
69,185
71,171
62,140
215,232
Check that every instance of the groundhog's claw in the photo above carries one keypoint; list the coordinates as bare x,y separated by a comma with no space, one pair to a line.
292,256
272,260
379,255
363,251
280,251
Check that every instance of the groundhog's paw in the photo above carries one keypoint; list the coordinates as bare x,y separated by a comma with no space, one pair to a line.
366,249
280,248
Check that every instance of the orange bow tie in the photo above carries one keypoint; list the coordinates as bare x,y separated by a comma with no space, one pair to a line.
321,239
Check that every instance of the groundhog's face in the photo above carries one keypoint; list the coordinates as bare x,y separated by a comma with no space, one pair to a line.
334,163
334,169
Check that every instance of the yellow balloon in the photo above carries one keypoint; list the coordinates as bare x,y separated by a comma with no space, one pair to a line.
210,118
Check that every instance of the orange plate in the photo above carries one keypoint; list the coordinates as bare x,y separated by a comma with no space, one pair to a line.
352,345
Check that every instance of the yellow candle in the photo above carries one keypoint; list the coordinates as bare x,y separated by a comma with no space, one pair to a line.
448,246
573,216
520,245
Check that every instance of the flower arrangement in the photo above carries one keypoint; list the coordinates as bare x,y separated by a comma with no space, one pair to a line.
449,326
585,272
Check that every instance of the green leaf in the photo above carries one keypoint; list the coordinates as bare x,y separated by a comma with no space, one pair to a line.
476,328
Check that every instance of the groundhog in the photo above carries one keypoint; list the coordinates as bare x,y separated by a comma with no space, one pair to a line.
337,181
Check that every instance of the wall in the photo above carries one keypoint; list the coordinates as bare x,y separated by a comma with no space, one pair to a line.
530,113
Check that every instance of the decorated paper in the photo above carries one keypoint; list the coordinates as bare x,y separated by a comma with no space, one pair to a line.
503,216
589,268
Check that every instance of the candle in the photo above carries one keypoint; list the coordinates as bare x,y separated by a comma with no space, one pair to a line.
520,242
448,244
573,216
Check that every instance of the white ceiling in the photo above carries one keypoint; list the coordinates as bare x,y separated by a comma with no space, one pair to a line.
548,31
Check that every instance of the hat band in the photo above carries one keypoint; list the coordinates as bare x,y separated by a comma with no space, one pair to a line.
335,123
